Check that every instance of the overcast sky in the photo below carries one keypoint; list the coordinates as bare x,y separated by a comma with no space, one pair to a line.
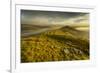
53,18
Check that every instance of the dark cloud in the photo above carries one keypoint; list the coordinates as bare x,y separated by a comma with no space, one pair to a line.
31,16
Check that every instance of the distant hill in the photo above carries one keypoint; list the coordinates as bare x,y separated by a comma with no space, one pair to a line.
76,33
25,27
27,30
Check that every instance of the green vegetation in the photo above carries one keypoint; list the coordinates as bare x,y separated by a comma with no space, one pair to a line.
55,45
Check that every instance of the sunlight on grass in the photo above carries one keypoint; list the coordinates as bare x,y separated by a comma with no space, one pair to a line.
56,45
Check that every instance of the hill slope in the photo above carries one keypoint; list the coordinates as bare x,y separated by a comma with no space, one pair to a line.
61,44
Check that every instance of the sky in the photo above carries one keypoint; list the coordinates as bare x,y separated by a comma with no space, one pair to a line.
53,18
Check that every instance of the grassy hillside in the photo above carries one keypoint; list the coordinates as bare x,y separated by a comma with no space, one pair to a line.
61,44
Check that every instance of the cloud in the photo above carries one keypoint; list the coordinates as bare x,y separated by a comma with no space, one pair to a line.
53,18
